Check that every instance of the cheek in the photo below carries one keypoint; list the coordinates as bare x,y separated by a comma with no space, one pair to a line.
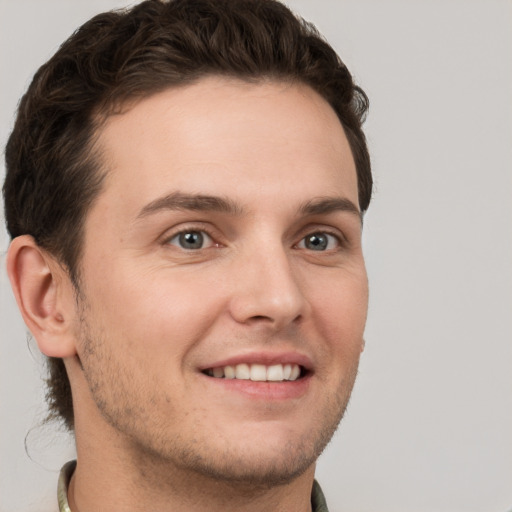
340,306
152,309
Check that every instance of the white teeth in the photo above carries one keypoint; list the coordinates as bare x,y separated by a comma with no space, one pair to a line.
218,373
295,372
257,372
243,371
275,372
229,372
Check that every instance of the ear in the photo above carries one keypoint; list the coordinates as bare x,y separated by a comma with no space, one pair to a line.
45,296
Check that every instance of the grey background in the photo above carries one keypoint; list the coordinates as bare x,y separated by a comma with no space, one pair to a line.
430,423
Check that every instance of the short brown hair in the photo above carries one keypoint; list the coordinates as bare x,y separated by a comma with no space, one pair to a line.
53,175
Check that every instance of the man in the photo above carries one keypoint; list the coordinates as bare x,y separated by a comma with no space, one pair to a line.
185,189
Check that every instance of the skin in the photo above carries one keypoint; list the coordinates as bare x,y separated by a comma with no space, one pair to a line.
151,315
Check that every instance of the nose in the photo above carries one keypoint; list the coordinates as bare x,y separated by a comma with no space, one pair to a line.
267,291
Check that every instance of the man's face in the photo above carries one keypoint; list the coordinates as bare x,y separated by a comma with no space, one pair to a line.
226,242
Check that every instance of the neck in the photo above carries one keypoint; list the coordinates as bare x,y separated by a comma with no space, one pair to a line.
107,485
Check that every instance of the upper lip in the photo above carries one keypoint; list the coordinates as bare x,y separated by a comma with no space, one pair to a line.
264,357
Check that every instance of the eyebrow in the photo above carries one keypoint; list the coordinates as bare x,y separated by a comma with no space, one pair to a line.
193,202
325,205
206,203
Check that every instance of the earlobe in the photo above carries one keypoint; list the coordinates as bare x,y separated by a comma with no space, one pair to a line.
42,290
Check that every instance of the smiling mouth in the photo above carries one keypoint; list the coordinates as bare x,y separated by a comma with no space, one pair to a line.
258,372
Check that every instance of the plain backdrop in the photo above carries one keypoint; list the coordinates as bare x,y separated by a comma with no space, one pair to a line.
429,427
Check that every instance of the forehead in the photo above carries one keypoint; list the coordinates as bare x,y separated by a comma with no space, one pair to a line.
225,136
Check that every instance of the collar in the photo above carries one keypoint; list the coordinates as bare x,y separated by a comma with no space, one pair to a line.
62,489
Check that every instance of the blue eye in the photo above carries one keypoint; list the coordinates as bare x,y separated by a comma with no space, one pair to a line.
319,241
191,240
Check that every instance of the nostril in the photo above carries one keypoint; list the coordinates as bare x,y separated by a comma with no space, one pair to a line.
270,320
260,318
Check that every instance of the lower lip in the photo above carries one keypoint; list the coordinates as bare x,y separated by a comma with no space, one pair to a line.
269,391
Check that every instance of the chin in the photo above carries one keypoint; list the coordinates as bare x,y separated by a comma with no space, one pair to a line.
255,469
273,457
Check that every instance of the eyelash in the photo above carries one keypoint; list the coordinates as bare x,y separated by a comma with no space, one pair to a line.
204,232
185,231
321,232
